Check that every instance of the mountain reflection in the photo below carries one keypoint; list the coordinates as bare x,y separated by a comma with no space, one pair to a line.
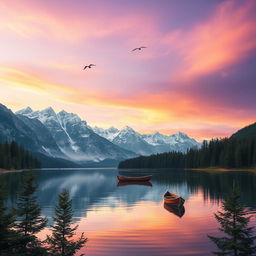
95,188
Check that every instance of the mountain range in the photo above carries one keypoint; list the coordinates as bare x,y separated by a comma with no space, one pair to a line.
147,144
64,139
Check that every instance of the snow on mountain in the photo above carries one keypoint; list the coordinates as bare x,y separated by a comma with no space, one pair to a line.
175,142
75,138
25,111
46,141
146,144
108,134
129,139
80,142
154,138
159,139
14,129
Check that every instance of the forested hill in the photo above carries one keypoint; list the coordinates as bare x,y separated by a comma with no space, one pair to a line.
238,151
249,130
14,156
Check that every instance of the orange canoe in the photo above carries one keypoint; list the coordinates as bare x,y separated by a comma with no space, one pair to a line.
140,178
170,198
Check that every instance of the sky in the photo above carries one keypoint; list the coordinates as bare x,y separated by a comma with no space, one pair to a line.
197,74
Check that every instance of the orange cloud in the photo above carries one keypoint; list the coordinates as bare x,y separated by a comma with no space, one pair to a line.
23,79
168,112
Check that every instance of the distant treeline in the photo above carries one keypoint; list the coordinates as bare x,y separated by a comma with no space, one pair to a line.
238,152
14,156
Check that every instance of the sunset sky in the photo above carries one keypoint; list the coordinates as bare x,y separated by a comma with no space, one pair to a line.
198,74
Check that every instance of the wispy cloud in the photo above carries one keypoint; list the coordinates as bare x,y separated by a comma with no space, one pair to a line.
35,20
227,37
171,85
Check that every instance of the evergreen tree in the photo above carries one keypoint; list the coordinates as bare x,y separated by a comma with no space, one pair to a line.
7,235
13,156
227,153
239,239
60,243
29,220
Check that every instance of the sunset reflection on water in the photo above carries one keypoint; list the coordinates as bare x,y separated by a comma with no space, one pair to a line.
131,219
148,229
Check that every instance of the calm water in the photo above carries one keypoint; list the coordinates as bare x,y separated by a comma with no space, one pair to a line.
132,220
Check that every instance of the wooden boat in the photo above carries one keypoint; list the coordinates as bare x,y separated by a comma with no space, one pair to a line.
140,183
178,210
170,198
140,178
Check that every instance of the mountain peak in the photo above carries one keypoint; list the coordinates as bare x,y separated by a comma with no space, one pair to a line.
48,111
128,128
182,133
112,129
25,111
65,113
156,134
109,133
69,117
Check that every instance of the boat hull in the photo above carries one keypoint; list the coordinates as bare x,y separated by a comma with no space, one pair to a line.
137,179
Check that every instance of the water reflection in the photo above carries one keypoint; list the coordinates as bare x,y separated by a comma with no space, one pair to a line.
138,183
178,210
94,187
130,219
214,184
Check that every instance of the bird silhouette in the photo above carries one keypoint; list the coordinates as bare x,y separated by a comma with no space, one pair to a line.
89,66
138,48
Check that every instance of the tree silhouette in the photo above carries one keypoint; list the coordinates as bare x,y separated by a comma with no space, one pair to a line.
14,156
29,221
226,153
8,236
60,242
234,221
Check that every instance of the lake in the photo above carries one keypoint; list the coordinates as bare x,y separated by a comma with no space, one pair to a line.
131,219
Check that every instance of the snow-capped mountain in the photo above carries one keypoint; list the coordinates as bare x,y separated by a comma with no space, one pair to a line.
64,135
146,144
129,139
45,139
14,129
108,134
74,138
175,142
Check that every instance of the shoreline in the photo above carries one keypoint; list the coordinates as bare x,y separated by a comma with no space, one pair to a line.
222,169
2,171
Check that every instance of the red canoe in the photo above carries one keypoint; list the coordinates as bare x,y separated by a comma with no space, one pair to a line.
170,198
140,178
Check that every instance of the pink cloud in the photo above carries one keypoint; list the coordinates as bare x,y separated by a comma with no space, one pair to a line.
227,37
41,20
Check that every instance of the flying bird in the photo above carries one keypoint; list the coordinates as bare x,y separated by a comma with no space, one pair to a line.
138,48
89,66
